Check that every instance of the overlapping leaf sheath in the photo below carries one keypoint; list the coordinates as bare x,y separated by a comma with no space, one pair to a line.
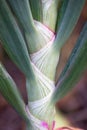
40,110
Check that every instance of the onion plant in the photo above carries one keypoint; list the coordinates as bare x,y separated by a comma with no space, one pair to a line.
33,33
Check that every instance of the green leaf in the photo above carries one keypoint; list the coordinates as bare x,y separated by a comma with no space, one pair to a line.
14,43
74,53
69,20
12,39
36,8
74,68
10,92
21,9
61,11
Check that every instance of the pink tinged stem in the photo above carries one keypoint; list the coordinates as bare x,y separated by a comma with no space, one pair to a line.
45,125
53,125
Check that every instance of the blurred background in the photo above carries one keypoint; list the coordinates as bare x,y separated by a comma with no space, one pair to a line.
73,106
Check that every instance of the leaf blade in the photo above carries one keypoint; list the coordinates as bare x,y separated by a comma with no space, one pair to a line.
23,12
12,39
75,67
14,44
10,92
61,11
68,22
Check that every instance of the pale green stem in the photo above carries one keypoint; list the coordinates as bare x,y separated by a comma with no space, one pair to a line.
50,8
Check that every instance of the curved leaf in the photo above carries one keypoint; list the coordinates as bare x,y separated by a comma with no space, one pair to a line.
21,9
69,20
74,69
15,45
23,13
61,11
10,92
12,39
